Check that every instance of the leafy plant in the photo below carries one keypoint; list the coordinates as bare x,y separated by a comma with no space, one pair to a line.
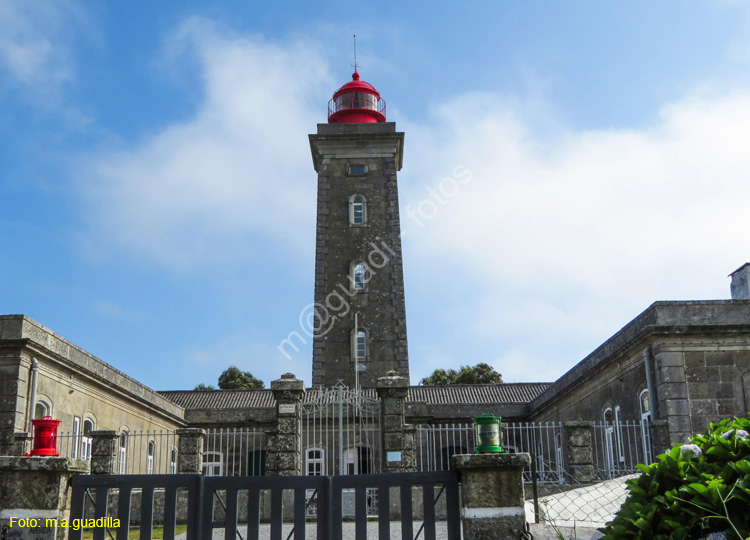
235,379
480,374
693,490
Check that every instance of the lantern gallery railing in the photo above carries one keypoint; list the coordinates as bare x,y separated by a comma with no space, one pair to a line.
354,101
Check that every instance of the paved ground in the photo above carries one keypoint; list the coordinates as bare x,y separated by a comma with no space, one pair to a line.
348,531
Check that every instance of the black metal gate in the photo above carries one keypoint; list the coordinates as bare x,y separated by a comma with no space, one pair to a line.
220,502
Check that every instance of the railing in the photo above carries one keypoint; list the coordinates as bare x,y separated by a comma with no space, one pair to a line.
616,449
234,452
436,444
349,102
619,448
138,452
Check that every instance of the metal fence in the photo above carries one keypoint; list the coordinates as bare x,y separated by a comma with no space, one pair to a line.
138,451
616,449
619,447
436,444
559,496
226,452
234,452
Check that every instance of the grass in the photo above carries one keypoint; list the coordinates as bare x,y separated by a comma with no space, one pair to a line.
135,532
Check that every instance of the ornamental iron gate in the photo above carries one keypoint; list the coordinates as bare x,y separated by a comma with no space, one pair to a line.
341,435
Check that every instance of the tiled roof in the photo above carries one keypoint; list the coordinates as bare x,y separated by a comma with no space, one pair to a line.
479,393
221,399
250,399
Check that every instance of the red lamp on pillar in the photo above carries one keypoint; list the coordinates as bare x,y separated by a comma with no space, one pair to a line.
45,437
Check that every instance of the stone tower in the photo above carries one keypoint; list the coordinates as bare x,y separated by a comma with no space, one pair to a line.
360,317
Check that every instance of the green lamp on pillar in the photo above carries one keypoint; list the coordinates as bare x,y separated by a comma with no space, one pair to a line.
488,433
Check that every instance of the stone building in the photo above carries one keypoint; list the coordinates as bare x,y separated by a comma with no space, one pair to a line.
43,374
676,367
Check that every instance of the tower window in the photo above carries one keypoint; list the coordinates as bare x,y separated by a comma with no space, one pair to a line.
356,169
360,345
357,210
360,276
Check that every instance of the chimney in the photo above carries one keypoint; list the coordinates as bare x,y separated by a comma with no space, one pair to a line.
741,283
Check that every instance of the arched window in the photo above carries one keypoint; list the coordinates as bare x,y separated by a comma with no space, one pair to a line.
123,462
88,427
315,462
173,461
357,210
41,409
360,276
150,457
360,344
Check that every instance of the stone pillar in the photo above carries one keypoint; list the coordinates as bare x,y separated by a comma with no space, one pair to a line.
659,438
105,445
21,443
283,449
397,438
492,500
36,488
580,451
190,450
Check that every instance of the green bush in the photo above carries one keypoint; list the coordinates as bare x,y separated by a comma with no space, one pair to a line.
693,490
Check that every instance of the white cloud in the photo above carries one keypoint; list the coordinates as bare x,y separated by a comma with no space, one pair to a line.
35,45
568,239
236,175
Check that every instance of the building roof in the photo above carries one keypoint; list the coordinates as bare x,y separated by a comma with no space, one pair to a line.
463,394
699,317
478,393
221,399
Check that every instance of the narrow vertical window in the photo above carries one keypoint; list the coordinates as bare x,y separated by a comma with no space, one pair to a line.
173,461
646,426
361,344
360,347
122,465
360,277
357,210
150,457
88,427
76,433
618,433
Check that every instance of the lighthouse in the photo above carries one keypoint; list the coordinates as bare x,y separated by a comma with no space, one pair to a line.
360,314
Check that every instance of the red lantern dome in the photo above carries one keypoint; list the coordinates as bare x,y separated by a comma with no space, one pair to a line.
356,102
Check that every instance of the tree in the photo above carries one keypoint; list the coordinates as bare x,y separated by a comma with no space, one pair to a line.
202,386
480,374
235,379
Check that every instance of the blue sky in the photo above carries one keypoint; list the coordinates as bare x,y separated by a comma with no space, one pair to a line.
158,194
